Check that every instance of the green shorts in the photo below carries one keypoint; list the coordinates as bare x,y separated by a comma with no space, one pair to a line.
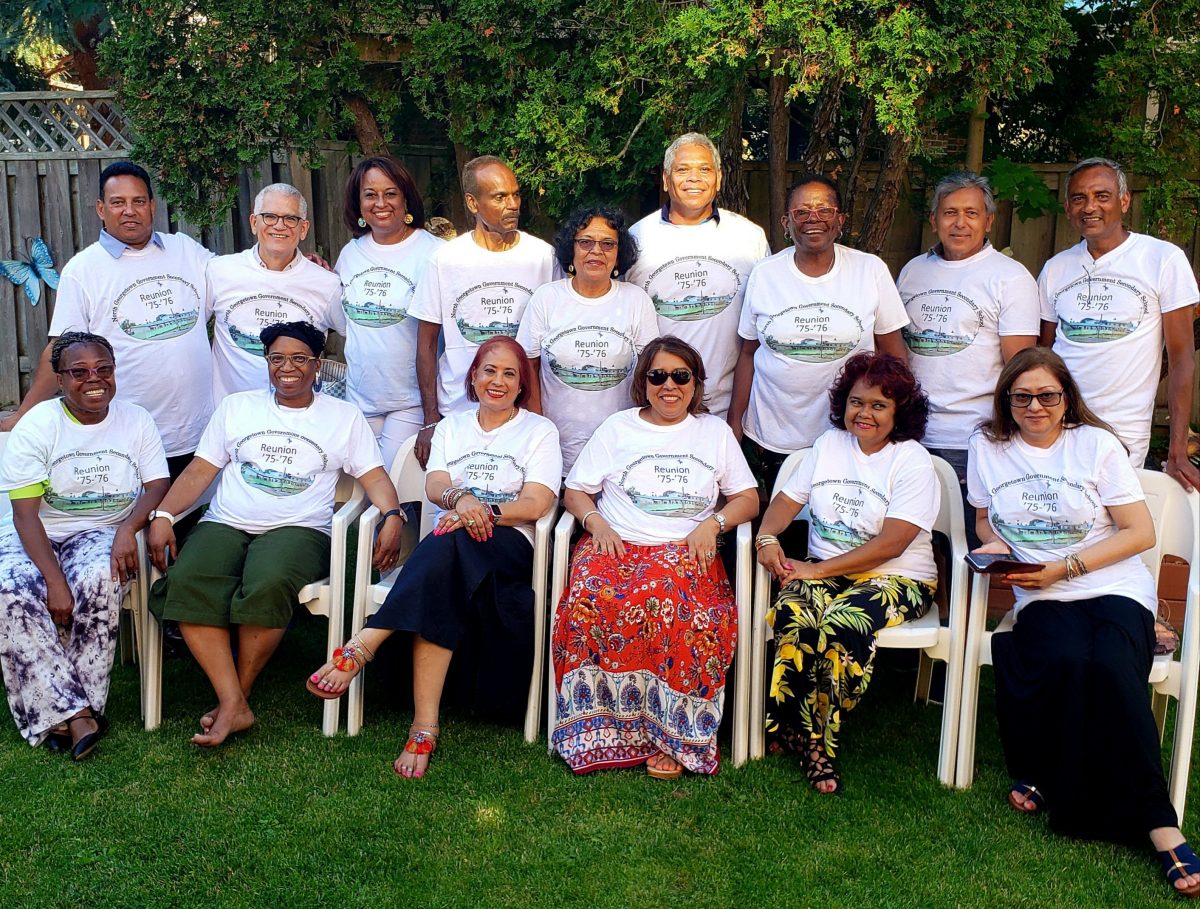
225,576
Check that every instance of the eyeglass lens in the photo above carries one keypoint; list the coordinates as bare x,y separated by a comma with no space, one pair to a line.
660,376
1024,399
587,244
297,360
821,214
79,373
271,219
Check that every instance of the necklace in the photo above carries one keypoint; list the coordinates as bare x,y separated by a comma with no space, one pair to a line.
479,419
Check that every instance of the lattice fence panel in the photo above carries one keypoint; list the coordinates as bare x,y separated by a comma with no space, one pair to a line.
63,125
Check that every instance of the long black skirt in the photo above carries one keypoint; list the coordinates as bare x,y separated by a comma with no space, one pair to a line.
475,599
1074,712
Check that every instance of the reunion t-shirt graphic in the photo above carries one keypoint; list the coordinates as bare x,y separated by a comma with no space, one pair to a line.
590,357
103,482
279,463
491,478
813,333
1037,511
378,297
692,288
1093,310
490,309
847,513
677,486
157,307
247,317
944,322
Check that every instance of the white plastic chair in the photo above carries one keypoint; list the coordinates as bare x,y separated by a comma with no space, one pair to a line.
326,597
741,669
136,591
934,640
409,478
1176,517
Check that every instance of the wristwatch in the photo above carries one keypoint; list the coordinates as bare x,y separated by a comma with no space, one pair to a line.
156,514
720,519
495,509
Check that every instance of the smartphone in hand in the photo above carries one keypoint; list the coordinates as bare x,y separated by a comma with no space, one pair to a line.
1000,563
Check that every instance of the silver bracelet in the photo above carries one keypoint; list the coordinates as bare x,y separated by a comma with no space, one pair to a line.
583,520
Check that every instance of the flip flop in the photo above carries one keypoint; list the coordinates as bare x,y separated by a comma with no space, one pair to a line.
1178,863
350,657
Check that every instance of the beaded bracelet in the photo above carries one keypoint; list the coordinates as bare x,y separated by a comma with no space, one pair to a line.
429,425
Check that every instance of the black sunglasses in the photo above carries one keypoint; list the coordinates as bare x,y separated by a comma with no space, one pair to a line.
660,376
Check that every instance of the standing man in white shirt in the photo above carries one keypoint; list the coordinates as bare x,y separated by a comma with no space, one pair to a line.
270,282
695,260
474,288
143,291
1108,305
971,308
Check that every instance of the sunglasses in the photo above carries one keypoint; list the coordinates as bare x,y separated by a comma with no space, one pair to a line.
660,376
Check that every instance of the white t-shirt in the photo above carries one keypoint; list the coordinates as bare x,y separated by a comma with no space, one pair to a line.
959,311
476,294
807,328
658,483
850,494
588,348
246,297
93,474
696,275
381,343
493,466
151,306
1109,314
1047,503
281,464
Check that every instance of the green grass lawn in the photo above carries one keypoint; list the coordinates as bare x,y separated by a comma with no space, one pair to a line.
283,817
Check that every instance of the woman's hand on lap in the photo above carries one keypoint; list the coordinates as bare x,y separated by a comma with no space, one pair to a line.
702,545
772,558
60,602
159,538
475,517
606,540
124,554
1040,579
800,570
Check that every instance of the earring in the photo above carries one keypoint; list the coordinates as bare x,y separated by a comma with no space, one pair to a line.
408,218
362,223
571,269
615,273
317,384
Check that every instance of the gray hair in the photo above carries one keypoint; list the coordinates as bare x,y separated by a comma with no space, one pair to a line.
470,172
690,139
1122,180
285,189
963,179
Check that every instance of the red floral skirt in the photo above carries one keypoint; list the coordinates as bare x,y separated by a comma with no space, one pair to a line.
641,646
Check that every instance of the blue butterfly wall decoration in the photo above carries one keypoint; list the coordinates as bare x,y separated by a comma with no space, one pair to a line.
31,274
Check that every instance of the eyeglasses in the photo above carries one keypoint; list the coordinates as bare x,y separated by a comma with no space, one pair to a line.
270,219
800,215
1023,399
83,373
660,376
297,360
587,244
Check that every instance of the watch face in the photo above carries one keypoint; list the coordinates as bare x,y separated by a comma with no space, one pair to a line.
495,510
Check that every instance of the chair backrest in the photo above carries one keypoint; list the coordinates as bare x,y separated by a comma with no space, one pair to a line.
332,376
1175,530
5,504
409,479
950,518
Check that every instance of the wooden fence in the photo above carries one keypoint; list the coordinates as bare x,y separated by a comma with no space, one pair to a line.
54,145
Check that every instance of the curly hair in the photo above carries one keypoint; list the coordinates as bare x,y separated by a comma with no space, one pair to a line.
394,171
893,378
304,332
1002,427
682,349
564,240
524,368
70,339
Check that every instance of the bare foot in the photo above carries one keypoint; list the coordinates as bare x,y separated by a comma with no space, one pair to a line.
414,759
332,679
227,723
206,721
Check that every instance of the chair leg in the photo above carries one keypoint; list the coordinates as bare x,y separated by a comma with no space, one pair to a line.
152,673
924,679
1158,705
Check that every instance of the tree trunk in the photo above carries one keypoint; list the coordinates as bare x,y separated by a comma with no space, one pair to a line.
462,219
777,153
862,138
882,208
975,127
824,126
366,127
735,194
81,62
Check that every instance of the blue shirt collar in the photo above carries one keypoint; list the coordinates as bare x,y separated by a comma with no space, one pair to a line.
714,216
116,248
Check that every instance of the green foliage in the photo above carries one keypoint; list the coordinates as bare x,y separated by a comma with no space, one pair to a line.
36,32
213,92
1019,184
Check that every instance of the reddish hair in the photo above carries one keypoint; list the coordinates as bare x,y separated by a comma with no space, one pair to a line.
524,369
892,377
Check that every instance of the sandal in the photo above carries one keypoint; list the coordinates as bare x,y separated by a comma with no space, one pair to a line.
819,768
663,773
1178,863
1029,793
351,657
87,744
422,741
58,739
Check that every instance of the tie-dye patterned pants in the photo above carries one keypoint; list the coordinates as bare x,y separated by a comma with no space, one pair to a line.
48,678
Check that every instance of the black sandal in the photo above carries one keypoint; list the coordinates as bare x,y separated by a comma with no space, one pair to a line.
1180,862
819,768
86,745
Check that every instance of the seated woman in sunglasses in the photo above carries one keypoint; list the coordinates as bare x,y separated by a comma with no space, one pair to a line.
1052,484
584,333
266,533
646,628
82,472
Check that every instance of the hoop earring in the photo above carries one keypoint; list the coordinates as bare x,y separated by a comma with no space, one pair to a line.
571,269
408,218
362,222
